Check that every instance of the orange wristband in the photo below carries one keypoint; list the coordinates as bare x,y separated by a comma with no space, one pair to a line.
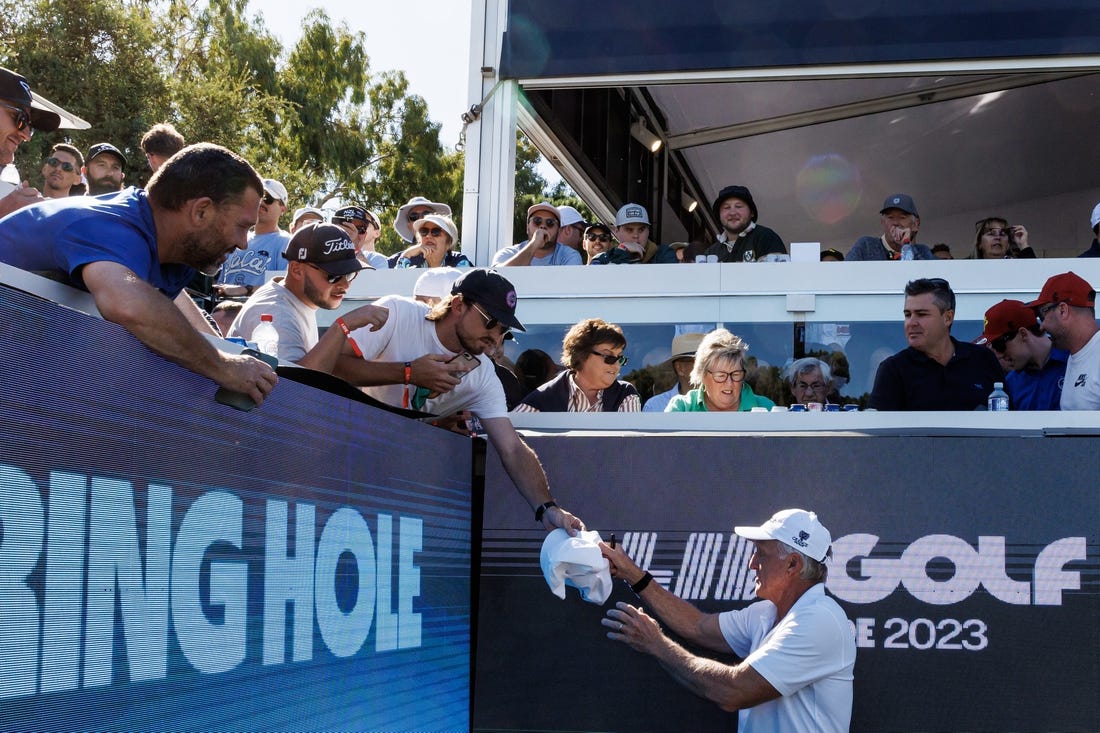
347,334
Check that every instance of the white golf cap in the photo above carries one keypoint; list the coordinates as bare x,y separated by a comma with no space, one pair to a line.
795,527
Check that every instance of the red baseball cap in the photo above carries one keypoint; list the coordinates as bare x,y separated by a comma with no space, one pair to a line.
1068,288
1006,317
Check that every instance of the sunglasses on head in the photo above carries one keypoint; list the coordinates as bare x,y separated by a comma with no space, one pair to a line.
20,117
598,237
539,221
434,231
63,165
333,279
610,359
492,322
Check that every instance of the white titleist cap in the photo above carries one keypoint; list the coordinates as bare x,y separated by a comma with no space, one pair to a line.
795,527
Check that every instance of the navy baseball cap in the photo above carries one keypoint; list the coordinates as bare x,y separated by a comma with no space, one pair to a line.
490,290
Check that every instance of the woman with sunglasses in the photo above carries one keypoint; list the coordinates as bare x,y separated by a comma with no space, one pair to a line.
994,239
592,351
435,234
718,378
597,240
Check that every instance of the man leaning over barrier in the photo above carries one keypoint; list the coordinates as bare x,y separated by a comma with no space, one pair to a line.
454,336
136,251
796,644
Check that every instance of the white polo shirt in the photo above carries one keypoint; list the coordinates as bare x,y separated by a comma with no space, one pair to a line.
808,657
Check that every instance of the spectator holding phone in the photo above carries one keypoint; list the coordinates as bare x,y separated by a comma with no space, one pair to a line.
593,352
994,239
421,350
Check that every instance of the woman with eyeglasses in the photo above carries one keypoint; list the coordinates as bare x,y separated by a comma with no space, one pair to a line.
718,378
994,239
592,352
597,240
435,234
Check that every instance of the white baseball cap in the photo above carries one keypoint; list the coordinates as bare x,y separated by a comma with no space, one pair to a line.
795,527
1095,219
276,189
632,214
570,216
436,282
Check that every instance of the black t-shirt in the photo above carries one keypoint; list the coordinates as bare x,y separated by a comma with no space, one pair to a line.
910,380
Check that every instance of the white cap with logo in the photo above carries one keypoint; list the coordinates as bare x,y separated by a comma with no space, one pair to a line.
631,214
795,527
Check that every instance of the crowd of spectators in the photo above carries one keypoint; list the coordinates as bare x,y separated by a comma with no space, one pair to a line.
181,233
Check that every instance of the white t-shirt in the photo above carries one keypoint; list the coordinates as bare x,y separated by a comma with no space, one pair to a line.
808,657
406,336
295,321
1081,389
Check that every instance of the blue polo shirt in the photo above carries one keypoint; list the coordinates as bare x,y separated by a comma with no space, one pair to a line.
1039,390
57,237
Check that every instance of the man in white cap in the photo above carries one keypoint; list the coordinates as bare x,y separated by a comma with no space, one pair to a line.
682,360
22,112
541,246
571,228
304,215
1094,222
245,271
414,210
796,644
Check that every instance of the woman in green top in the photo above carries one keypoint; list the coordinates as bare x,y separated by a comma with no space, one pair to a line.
719,378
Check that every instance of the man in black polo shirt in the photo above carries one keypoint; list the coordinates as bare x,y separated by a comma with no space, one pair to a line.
936,372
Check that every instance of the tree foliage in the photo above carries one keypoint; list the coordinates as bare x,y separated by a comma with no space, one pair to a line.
312,116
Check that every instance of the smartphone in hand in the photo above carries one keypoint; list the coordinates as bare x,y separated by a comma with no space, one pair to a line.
466,362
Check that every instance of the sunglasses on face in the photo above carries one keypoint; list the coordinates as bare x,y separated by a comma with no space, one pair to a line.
434,231
598,237
491,322
361,228
737,375
20,117
998,344
414,215
333,279
539,221
63,165
269,199
1043,310
610,359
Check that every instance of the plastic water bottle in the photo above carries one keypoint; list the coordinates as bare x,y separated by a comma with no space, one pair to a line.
265,336
907,251
998,398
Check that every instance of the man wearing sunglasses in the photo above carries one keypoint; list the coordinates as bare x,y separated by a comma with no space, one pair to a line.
541,246
1037,368
322,264
1066,309
434,359
61,171
135,252
245,271
936,371
21,114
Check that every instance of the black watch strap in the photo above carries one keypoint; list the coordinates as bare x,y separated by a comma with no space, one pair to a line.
542,509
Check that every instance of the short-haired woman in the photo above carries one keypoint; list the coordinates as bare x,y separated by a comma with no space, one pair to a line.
592,352
718,378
